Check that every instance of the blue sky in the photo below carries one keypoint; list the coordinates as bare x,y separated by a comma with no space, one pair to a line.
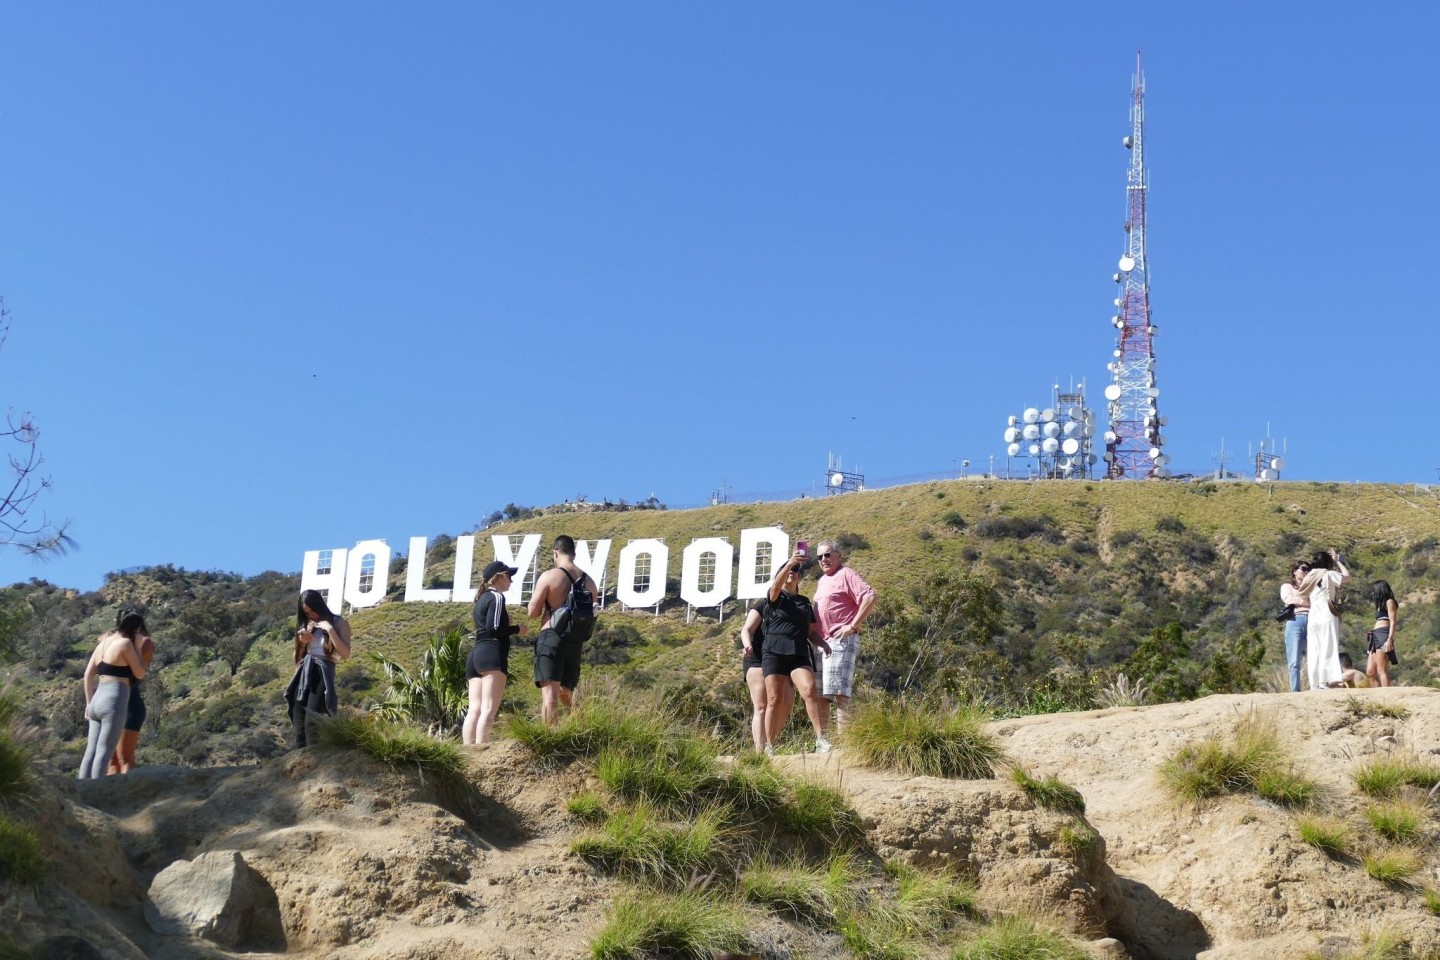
284,276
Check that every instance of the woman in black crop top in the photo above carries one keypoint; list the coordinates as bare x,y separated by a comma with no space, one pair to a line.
1381,640
114,665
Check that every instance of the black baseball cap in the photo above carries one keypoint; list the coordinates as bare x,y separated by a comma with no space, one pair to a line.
495,566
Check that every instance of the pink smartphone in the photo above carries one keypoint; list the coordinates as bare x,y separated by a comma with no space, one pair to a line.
803,548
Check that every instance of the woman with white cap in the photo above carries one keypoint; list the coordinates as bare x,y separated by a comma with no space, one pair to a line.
488,667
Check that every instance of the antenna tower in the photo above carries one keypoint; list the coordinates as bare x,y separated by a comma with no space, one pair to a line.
1133,445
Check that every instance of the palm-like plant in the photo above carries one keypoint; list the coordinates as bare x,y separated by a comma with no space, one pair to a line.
435,694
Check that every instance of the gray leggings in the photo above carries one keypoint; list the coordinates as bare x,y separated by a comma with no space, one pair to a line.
107,713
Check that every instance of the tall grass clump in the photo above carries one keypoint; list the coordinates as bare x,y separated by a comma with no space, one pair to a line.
17,773
410,751
1052,793
687,926
1379,945
876,935
593,727
1018,938
1329,835
917,738
802,893
1385,774
1358,708
675,775
1399,821
21,863
1394,865
1432,900
929,903
639,843
821,812
1250,760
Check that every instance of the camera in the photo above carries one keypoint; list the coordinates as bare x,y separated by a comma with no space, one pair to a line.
1287,614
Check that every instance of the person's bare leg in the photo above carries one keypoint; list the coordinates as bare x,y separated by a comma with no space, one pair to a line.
842,713
124,759
804,681
472,715
492,691
755,682
549,702
775,714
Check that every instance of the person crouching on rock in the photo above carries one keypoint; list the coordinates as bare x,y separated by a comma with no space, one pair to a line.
320,638
488,667
115,664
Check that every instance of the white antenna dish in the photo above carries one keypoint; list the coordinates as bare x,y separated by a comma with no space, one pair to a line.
1092,458
1071,428
1117,278
1087,428
1277,464
1152,392
1111,436
1127,263
1034,449
1128,143
1047,415
1012,421
1113,391
1162,474
1074,413
1117,301
1108,456
1031,431
1011,434
1031,415
1161,460
1050,445
1013,450
1071,447
1155,453
1266,475
1051,429
836,479
1164,421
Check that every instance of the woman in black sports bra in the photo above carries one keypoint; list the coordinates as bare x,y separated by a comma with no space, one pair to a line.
1380,643
115,664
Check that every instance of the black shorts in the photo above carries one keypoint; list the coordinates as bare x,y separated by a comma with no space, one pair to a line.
784,664
751,662
135,710
557,660
487,655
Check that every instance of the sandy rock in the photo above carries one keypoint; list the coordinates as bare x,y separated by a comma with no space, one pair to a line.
215,896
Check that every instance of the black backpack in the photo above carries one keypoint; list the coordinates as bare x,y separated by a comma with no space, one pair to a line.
575,621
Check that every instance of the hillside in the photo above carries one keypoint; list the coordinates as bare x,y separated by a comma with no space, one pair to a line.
1081,576
341,858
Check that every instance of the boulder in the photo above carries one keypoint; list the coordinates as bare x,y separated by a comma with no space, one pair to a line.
214,896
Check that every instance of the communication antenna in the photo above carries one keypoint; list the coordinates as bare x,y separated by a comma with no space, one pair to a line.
1060,438
1134,444
840,480
1269,461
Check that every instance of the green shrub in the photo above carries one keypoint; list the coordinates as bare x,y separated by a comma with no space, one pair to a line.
688,926
1252,759
639,843
1385,774
21,863
1018,938
802,893
1394,866
674,777
1398,821
1052,793
912,738
1327,834
435,695
820,812
593,727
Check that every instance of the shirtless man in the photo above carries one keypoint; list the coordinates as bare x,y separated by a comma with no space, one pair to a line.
557,660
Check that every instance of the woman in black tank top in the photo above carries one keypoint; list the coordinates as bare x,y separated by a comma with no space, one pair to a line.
1380,642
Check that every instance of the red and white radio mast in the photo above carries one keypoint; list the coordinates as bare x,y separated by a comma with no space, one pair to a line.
1133,444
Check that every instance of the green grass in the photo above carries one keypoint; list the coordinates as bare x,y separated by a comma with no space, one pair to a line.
1078,840
928,903
410,751
17,774
1385,774
1394,866
687,926
876,935
1052,793
916,738
1358,707
587,805
1249,760
1018,938
641,844
675,775
1398,821
1329,835
1378,945
1432,900
803,893
21,863
820,812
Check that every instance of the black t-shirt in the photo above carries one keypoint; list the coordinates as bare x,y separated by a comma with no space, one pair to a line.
786,623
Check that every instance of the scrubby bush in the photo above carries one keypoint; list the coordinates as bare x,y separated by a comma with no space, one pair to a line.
921,738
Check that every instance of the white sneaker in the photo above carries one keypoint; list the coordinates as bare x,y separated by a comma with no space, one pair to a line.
769,749
822,745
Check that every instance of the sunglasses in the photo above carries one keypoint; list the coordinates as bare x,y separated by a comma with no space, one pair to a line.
827,555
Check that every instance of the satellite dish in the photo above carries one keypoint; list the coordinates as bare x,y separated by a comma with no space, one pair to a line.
1047,415
1164,421
1031,415
1277,464
1031,431
1162,474
1112,392
1012,421
1093,458
1154,331
1127,262
1050,445
1118,323
1071,447
1161,460
1109,457
1074,413
1266,475
1128,143
1034,449
1066,466
1117,353
836,479
1155,453
1013,450
1051,429
1071,428
1152,391
1011,434
1117,301
1117,278
1111,436
1087,428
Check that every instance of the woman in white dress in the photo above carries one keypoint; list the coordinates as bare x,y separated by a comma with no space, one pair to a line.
1322,633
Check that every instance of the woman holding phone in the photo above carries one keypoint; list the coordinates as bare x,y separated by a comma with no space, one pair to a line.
321,638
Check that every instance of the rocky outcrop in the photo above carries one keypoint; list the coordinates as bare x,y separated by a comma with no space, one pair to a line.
215,896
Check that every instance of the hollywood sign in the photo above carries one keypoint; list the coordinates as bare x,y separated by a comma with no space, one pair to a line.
708,569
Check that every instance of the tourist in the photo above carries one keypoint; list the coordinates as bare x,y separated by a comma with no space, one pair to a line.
321,637
1349,675
1295,634
752,643
790,630
124,759
113,666
488,666
842,602
560,643
1380,641
1321,586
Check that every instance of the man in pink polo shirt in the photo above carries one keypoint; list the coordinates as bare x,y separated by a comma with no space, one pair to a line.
842,602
